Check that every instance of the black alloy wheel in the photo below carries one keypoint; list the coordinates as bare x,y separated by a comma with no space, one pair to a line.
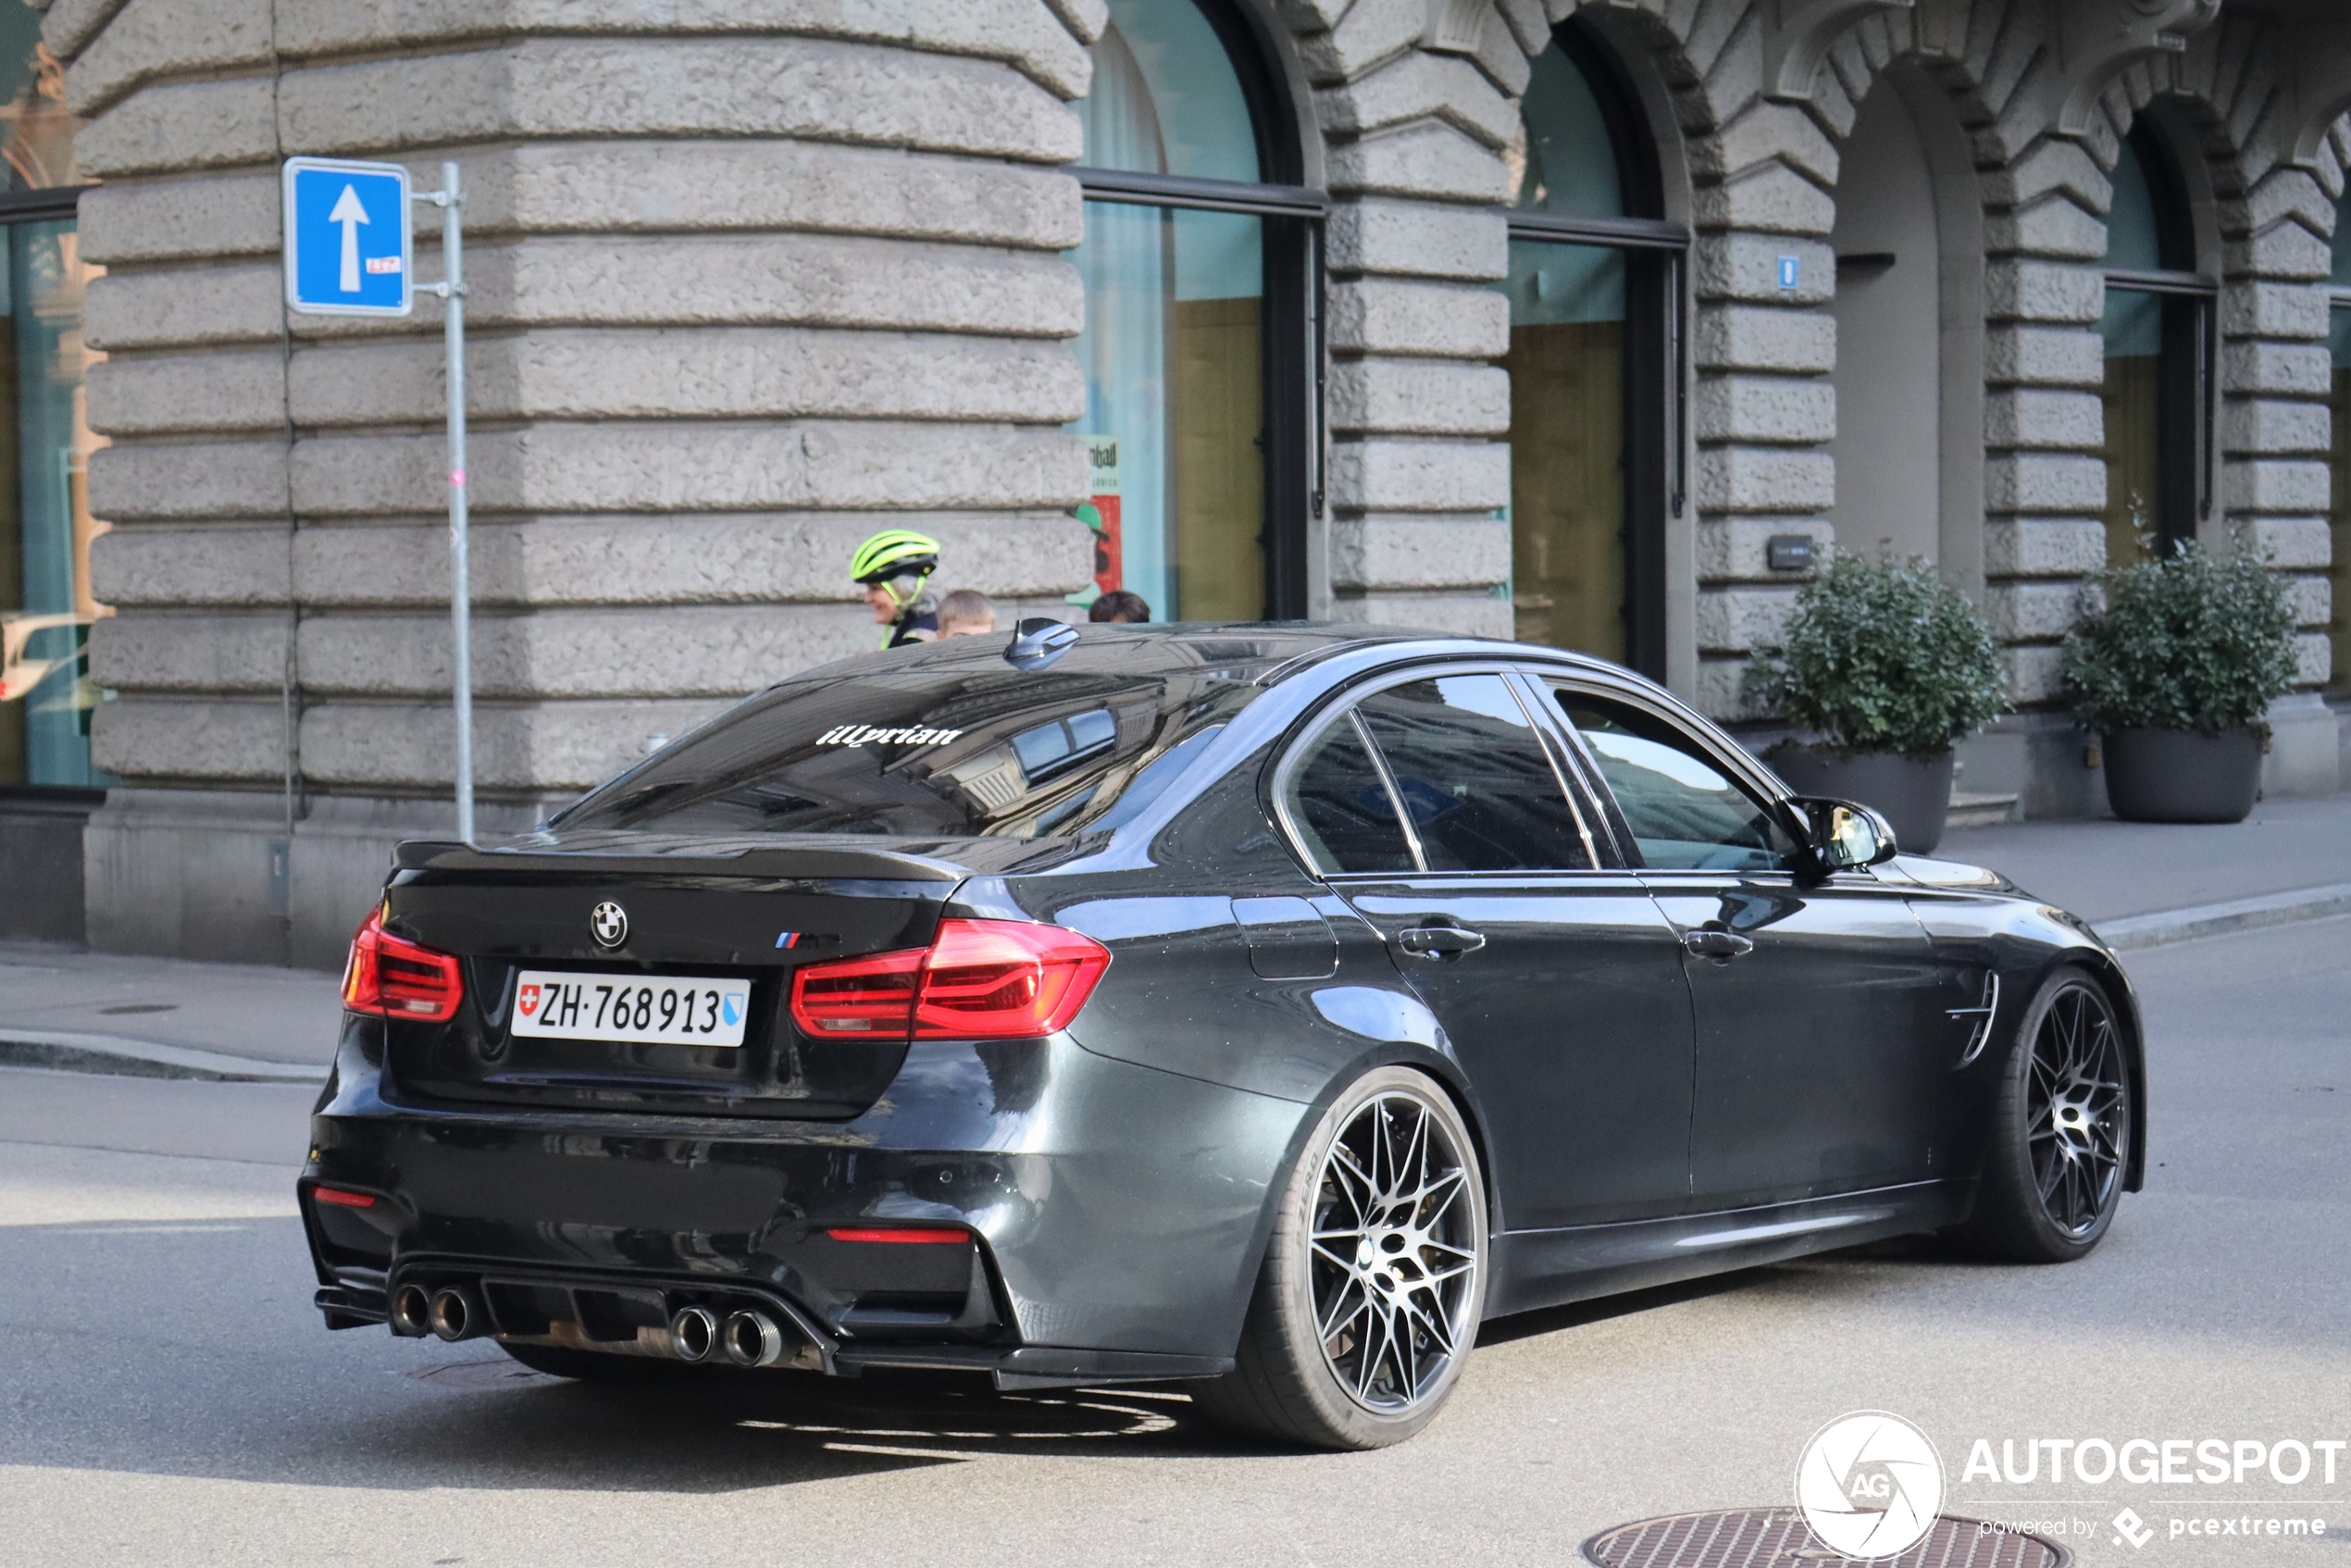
1375,1278
2061,1140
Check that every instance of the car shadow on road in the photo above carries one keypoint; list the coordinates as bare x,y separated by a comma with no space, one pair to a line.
276,1403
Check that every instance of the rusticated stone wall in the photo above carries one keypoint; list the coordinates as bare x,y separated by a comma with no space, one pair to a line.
746,282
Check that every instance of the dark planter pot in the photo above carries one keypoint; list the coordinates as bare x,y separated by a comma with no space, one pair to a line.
2179,776
1914,796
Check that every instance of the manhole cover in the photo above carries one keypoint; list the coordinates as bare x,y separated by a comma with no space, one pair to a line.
1777,1537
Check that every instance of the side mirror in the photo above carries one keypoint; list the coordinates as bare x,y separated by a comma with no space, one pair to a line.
1846,837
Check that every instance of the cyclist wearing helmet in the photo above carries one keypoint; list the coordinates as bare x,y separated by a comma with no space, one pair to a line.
894,567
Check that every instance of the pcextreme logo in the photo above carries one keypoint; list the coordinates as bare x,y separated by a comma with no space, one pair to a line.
1869,1484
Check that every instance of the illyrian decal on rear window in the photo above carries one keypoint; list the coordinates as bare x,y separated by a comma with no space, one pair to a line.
867,734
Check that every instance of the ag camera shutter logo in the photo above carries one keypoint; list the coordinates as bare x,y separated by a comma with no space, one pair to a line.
1869,1484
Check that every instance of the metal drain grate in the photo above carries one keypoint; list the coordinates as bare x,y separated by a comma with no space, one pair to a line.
1777,1537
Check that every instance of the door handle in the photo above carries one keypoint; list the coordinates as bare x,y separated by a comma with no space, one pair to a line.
1716,944
1439,941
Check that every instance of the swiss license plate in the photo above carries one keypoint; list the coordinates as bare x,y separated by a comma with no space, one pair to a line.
662,1009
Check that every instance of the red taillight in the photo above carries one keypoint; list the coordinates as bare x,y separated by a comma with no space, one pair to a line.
872,997
1003,980
979,979
898,1234
340,1199
397,978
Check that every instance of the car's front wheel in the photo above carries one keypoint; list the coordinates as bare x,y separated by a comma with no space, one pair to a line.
1374,1276
2060,1135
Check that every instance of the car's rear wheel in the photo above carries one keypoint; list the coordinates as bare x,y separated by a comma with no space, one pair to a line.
1374,1276
2060,1135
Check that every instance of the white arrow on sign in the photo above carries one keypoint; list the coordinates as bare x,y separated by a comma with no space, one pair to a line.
351,212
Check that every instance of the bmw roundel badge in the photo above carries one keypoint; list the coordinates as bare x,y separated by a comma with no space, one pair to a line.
608,922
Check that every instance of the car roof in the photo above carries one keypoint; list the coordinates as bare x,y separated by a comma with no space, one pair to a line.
1257,653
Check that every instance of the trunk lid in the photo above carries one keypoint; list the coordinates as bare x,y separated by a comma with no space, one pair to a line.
694,909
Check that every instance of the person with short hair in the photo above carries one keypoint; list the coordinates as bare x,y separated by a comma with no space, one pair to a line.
1120,608
894,567
966,613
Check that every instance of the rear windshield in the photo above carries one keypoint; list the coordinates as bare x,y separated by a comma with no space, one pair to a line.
977,749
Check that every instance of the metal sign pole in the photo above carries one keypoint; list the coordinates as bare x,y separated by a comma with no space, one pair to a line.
450,198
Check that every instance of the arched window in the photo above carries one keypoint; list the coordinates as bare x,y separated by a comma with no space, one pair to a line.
1595,386
2339,508
1198,310
2158,330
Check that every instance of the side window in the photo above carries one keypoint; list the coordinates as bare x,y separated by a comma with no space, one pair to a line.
1685,814
1342,807
1473,777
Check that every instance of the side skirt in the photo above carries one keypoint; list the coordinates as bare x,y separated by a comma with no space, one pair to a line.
1550,1268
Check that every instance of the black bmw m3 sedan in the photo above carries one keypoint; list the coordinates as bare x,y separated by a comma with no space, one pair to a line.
1261,1007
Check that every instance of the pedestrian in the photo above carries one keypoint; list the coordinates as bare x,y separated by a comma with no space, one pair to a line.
966,613
1120,608
894,569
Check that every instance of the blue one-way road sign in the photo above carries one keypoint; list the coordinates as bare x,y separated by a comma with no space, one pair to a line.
347,238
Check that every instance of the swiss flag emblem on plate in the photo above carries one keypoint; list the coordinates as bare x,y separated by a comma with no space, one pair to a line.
529,1003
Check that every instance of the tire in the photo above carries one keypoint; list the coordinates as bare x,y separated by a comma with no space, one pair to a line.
2059,1144
596,1366
1404,1304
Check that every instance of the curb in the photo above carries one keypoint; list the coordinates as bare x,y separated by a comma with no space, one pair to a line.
2219,919
143,1059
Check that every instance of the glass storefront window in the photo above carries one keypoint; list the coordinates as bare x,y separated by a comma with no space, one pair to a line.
2133,328
2155,328
46,607
1174,404
1590,305
1567,447
1173,342
2339,508
36,131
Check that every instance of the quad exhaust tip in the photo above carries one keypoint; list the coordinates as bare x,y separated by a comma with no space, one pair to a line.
752,1339
694,1333
412,1310
456,1314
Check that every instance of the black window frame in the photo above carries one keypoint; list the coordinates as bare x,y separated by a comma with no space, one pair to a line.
1293,330
1656,251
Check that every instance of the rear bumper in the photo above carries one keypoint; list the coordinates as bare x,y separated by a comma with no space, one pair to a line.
1115,1212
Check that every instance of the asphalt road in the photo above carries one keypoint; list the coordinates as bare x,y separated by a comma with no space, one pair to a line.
168,1396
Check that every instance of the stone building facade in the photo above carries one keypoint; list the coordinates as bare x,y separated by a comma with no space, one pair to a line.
750,278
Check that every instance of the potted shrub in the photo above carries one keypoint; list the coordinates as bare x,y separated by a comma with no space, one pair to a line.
2175,675
1889,666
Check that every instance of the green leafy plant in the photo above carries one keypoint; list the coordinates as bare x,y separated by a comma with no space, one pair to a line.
2191,641
1882,656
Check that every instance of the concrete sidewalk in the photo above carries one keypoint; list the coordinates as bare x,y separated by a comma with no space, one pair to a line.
2139,883
2104,870
62,1007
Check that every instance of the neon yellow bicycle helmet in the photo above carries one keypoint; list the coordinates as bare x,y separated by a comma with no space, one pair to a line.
894,553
